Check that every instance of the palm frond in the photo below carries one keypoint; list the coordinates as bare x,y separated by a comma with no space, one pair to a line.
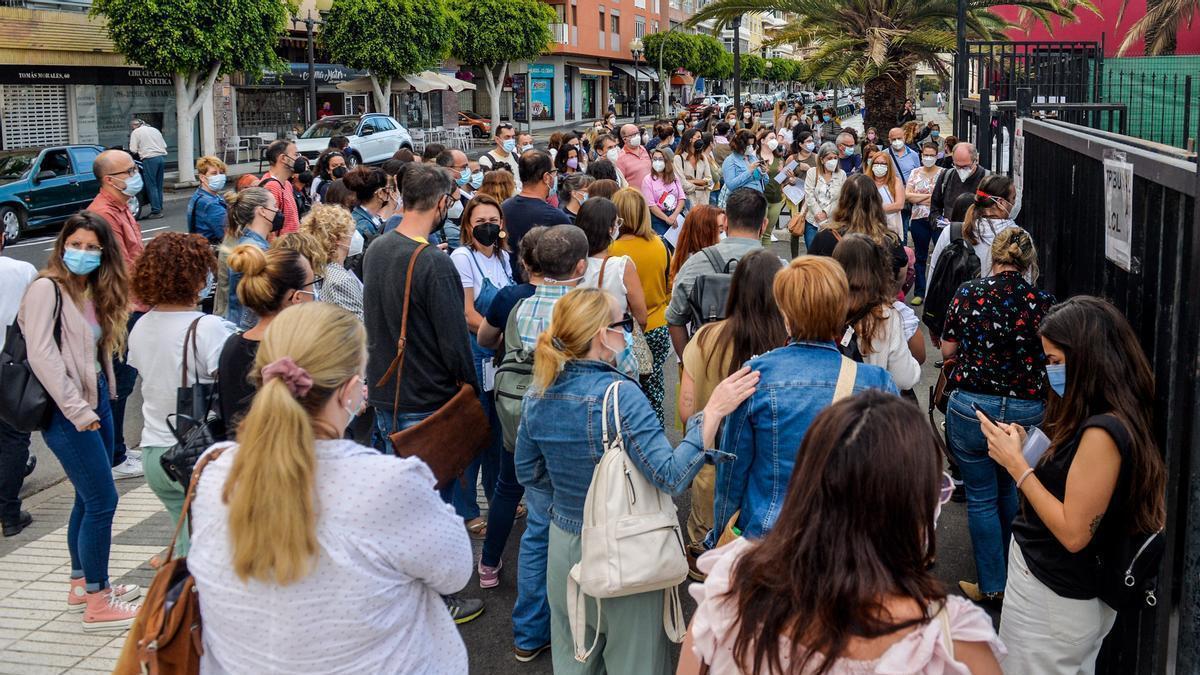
1166,17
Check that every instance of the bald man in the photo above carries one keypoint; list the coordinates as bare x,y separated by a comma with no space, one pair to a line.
963,178
634,161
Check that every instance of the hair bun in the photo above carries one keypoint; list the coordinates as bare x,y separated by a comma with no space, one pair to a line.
248,260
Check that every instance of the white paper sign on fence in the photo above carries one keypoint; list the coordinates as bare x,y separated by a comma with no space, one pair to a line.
1118,212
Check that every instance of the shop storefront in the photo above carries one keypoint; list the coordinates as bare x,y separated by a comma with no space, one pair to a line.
45,105
277,103
635,83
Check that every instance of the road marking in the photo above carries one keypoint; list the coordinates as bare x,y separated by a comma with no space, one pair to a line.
35,242
153,229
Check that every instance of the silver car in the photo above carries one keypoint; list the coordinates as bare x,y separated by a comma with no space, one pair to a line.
373,137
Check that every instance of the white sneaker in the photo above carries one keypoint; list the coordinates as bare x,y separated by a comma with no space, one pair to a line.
131,453
130,468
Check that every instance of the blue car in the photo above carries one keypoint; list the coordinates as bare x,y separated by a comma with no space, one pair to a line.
41,187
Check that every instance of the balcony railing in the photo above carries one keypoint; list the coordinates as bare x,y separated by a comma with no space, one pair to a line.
615,42
603,40
561,32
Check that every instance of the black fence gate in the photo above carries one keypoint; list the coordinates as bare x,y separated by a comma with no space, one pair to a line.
1064,210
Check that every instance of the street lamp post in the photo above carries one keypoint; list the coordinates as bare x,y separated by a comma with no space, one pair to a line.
960,68
636,48
309,24
736,25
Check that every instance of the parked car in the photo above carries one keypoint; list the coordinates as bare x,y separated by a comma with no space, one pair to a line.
481,127
40,187
374,137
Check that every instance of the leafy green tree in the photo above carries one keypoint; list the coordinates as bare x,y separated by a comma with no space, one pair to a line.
492,33
880,42
712,60
196,43
754,67
388,39
779,70
669,51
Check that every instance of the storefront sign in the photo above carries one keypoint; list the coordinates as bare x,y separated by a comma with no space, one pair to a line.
520,97
541,91
129,75
297,75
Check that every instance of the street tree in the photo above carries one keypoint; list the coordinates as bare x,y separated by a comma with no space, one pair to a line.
195,43
881,42
492,33
713,62
669,51
1160,26
388,39
779,70
754,67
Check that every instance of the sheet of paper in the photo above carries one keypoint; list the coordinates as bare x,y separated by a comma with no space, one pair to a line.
781,177
794,193
489,375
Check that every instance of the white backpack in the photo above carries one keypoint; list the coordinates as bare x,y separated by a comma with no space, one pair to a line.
631,542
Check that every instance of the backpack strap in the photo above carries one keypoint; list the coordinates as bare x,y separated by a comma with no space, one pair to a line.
845,382
398,363
600,279
714,259
956,231
185,511
190,335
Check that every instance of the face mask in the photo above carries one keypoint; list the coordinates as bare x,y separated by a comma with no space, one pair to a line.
848,151
746,115
658,165
1056,373
487,233
635,141
277,221
356,243
82,263
300,164
679,128
455,210
612,121
794,124
898,144
612,154
527,147
573,163
464,177
209,285
216,182
554,185
721,236
935,133
133,185
928,161
476,180
964,174
827,118
880,170
338,172
831,165
810,146
751,155
580,197
772,144
622,354
509,145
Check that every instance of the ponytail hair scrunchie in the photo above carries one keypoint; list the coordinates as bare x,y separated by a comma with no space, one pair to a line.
558,344
297,379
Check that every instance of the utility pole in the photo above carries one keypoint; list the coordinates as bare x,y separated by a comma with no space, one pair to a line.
736,25
960,69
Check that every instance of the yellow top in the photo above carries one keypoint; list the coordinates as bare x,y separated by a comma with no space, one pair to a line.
706,360
653,262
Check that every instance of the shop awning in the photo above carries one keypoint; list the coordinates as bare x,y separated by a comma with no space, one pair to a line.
649,73
424,84
628,70
359,85
682,79
598,72
452,83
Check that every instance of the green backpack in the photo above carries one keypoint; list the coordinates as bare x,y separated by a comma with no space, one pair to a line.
513,378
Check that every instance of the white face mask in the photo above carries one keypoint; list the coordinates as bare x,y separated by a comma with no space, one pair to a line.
928,161
831,164
964,174
356,243
810,146
898,144
456,210
679,128
772,144
880,170
658,165
612,154
634,141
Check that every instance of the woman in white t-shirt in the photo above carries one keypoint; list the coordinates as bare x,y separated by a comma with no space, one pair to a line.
173,274
485,266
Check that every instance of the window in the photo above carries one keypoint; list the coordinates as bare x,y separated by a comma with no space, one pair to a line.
84,156
57,161
639,27
383,124
616,24
654,27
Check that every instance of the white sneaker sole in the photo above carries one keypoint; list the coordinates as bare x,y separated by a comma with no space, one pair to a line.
128,597
107,626
122,475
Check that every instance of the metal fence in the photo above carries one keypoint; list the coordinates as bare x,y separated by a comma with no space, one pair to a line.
1162,95
1064,197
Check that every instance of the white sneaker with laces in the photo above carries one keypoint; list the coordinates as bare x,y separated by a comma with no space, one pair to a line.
132,453
130,468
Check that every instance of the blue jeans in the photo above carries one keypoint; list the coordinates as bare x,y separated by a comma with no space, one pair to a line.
466,498
810,233
531,613
922,234
152,171
502,512
991,493
905,219
659,225
384,428
86,457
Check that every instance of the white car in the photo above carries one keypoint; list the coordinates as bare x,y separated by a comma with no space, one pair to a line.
373,137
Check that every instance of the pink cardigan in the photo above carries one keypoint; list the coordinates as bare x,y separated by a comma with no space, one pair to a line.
68,373
924,650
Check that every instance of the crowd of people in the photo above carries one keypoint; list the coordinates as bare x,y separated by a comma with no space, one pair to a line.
331,311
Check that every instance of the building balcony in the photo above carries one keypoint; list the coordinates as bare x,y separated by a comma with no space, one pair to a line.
561,33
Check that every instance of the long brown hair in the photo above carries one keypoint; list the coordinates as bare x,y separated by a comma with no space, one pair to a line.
701,229
860,210
868,270
823,575
1107,372
107,286
667,175
753,324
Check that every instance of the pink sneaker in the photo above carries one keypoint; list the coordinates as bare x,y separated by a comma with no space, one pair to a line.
489,577
77,601
105,612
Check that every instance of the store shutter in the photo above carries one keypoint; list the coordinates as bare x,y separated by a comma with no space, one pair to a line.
33,115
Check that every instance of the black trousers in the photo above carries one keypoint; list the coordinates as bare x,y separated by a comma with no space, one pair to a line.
14,453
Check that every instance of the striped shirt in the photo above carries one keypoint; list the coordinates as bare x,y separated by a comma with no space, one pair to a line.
533,318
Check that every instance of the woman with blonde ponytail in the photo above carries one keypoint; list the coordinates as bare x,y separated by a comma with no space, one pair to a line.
297,529
559,443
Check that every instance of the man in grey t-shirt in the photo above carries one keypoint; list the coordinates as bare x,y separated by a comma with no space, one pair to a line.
746,216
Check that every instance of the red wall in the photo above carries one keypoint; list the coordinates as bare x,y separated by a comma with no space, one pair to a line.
1090,27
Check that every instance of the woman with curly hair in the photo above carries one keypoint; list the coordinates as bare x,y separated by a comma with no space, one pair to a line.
333,229
172,276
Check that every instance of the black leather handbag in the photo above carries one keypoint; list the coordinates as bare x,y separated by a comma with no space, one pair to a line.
24,403
195,424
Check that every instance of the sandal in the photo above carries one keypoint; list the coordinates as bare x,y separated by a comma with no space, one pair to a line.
477,528
521,512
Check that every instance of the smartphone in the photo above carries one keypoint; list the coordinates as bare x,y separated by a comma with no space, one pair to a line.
984,413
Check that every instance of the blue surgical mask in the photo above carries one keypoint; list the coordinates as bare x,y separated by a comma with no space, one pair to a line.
464,177
133,185
848,151
827,118
621,356
1056,373
476,180
527,147
209,285
216,182
509,145
82,263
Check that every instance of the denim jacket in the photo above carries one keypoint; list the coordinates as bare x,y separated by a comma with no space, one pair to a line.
736,173
559,440
206,215
797,382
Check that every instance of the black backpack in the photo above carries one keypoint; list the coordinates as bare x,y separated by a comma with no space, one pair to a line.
958,265
848,344
706,301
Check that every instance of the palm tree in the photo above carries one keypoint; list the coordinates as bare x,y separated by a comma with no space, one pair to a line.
881,42
1160,25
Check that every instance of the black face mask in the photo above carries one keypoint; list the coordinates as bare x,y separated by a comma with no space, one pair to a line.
339,172
486,233
698,146
300,164
277,221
